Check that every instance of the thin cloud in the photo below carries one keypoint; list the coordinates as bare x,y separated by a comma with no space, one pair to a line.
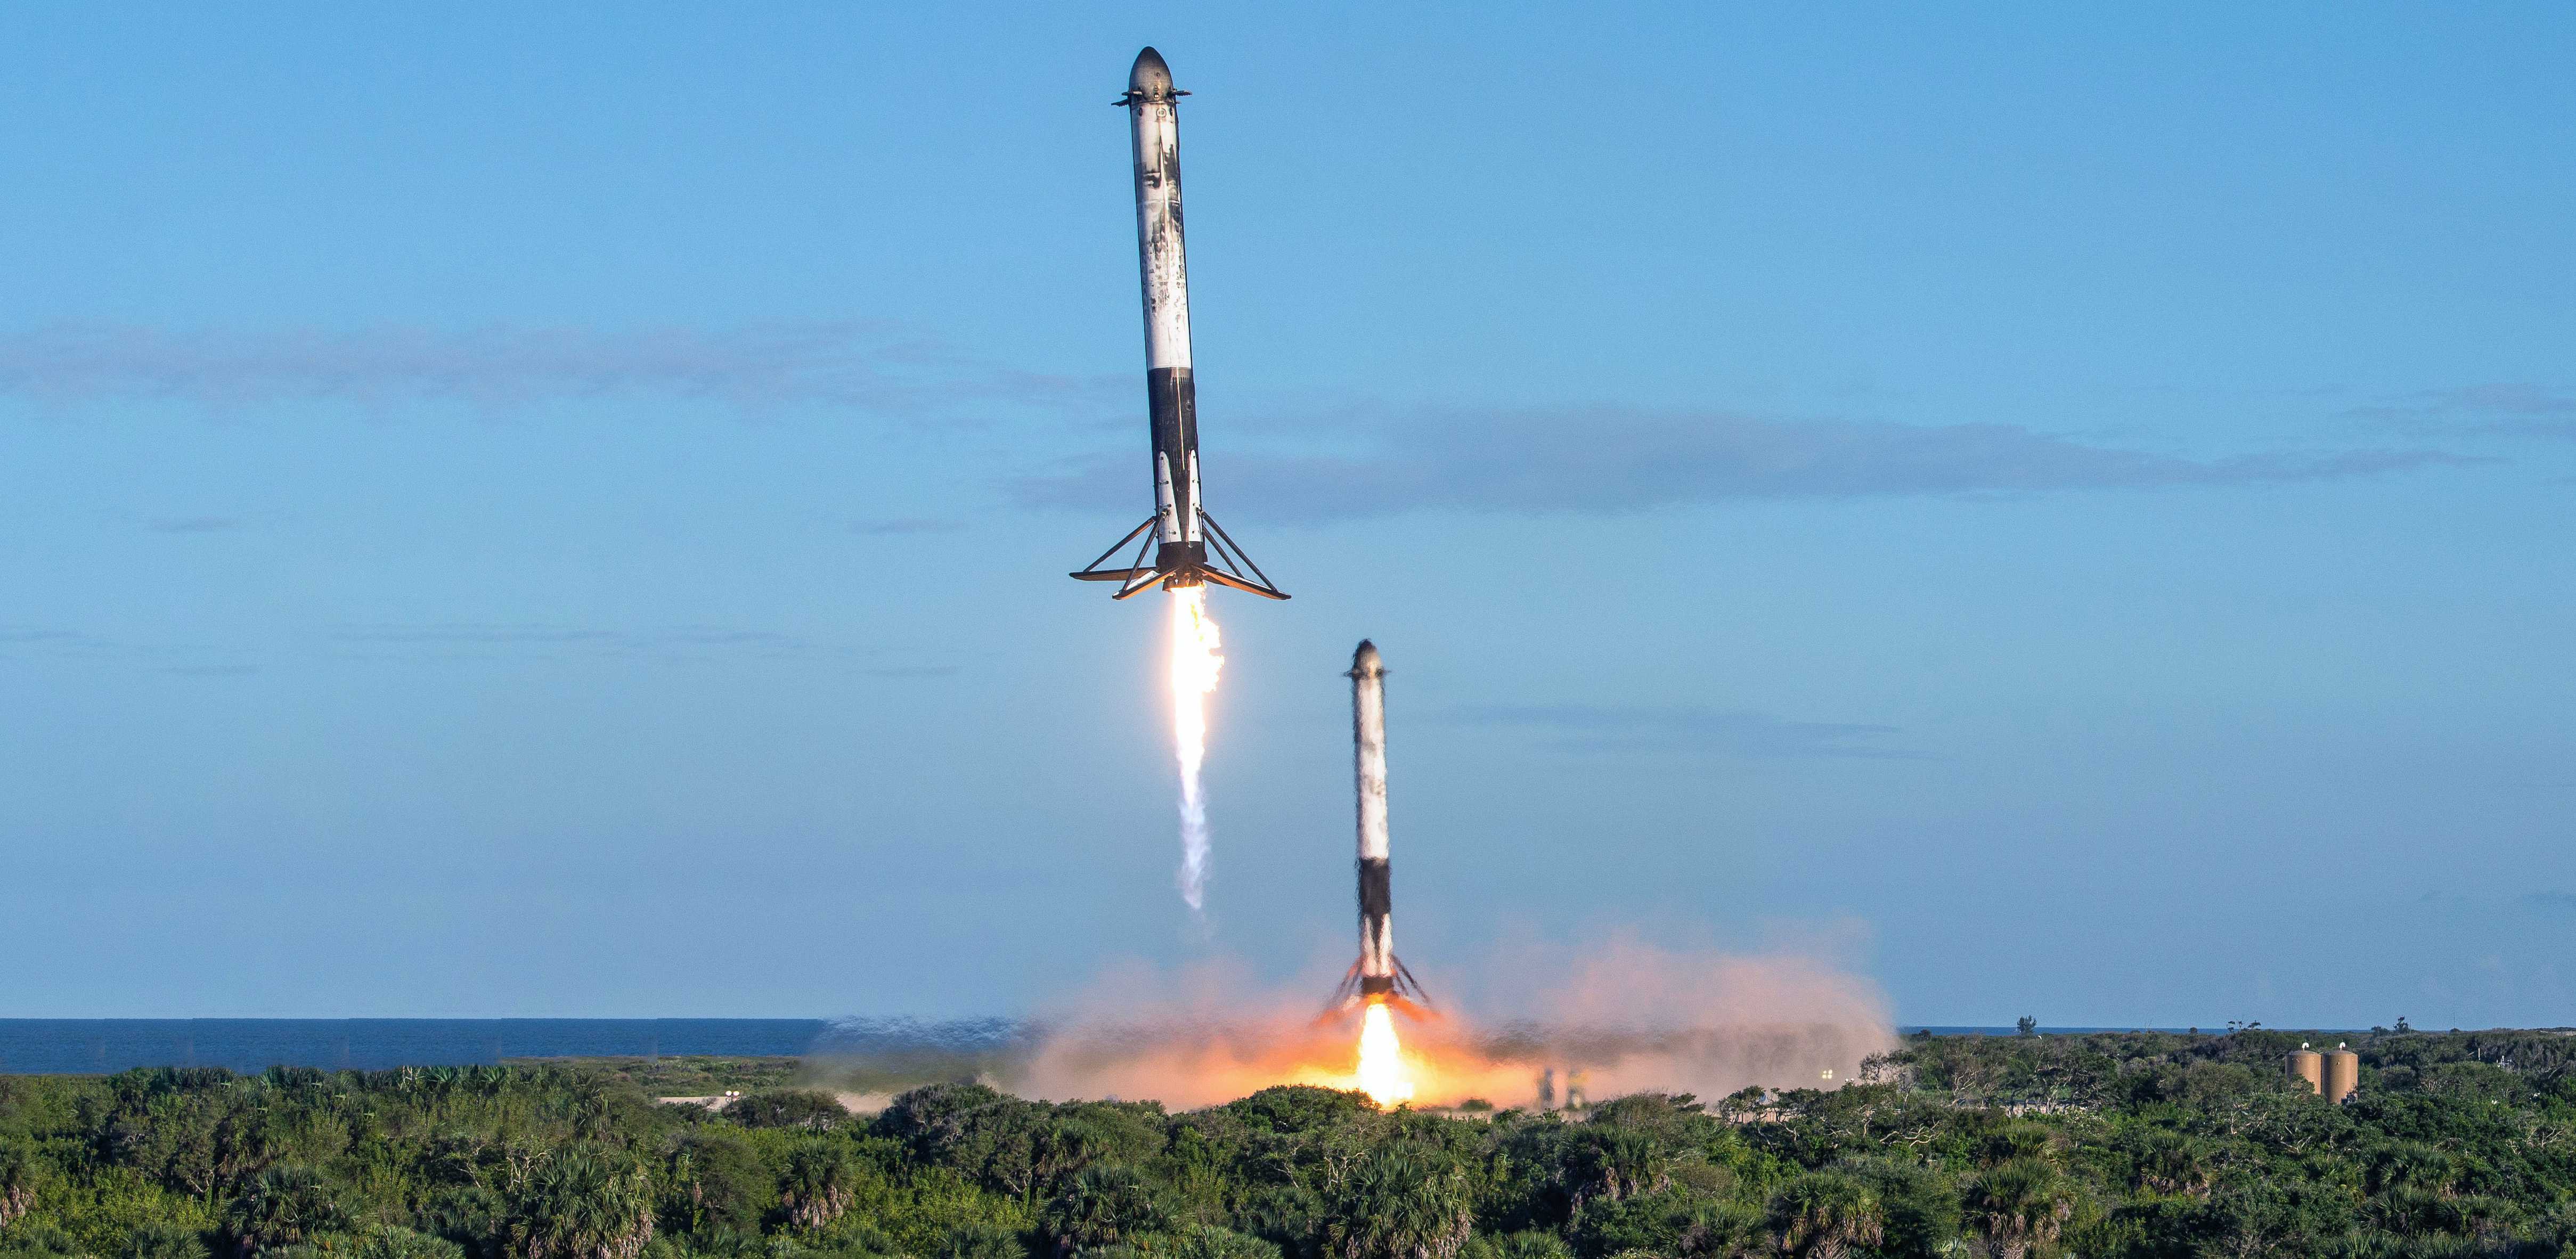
10,634
1610,461
546,636
472,634
868,366
2511,399
49,641
1752,735
2499,409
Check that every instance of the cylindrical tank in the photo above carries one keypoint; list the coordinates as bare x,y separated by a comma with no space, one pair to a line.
2343,1074
2308,1065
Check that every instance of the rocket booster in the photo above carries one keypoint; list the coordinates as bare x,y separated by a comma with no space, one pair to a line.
1378,976
1368,772
1183,537
1171,395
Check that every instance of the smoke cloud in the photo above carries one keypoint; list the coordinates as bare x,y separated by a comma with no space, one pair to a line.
1629,1017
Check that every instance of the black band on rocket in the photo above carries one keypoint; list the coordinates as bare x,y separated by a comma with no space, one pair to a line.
1377,900
1189,548
1172,403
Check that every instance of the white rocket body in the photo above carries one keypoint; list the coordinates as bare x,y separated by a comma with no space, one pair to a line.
1189,547
1379,975
1162,256
1368,770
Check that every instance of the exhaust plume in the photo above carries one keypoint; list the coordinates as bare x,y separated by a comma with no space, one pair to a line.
1195,661
1630,1017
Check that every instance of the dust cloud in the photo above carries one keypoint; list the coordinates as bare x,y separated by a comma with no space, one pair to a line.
1621,1018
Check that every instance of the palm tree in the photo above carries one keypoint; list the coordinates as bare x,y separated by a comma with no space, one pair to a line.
1101,1206
820,1178
17,1182
979,1239
583,1202
2021,1204
1397,1206
2410,1163
1617,1163
287,1204
1826,1215
1210,1242
2171,1162
1062,1148
401,1243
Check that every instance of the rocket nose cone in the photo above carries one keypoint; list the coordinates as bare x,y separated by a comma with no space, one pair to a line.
1150,77
1365,660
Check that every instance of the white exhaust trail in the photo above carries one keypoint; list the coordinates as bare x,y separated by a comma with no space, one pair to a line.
1195,661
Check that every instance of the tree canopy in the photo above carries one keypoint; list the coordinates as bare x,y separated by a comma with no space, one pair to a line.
2143,1145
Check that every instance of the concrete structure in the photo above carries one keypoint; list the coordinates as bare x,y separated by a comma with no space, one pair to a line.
2343,1075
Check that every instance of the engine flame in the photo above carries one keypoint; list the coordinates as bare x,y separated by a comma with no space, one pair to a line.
1195,661
1383,1075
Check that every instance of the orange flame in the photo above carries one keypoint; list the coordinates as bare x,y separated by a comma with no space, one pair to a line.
1383,1074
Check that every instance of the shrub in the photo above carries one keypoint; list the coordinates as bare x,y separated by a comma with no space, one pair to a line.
1532,1244
1826,1215
1291,1109
1669,1224
1397,1205
162,1240
820,1178
1208,1242
808,1109
582,1202
2021,1204
724,1180
18,1171
977,1240
286,1204
1099,1207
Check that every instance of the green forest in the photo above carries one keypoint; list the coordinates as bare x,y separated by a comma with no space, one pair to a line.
2135,1144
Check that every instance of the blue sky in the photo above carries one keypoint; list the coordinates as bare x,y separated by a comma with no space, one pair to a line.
563,511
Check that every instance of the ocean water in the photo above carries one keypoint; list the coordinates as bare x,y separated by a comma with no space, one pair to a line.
76,1046
100,1046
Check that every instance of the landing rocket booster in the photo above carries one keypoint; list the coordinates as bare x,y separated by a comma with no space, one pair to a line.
1378,977
1182,536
